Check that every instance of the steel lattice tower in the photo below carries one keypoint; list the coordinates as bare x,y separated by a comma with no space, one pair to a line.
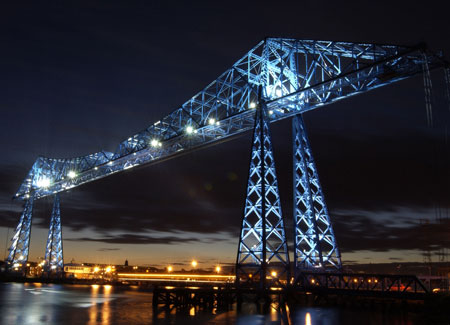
262,242
54,253
18,251
315,244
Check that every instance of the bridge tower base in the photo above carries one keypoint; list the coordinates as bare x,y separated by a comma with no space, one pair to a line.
315,243
18,252
54,262
262,259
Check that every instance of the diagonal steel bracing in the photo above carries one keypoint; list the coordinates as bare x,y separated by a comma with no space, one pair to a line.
54,253
20,243
315,243
262,254
297,76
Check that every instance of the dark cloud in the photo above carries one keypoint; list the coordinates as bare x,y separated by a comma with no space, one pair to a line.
137,239
363,232
104,249
10,211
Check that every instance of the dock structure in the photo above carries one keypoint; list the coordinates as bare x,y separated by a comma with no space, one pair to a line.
309,286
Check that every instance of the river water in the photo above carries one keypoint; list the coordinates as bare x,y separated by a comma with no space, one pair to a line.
35,303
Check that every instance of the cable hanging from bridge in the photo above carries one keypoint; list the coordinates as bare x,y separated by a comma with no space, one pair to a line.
428,87
447,84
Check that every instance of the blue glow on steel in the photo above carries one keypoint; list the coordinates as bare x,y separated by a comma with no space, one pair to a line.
315,243
262,242
54,253
18,251
296,76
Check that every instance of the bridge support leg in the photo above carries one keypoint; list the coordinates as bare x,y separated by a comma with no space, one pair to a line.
262,257
315,244
18,252
54,262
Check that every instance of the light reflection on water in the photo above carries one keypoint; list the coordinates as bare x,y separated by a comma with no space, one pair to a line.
105,304
308,319
100,312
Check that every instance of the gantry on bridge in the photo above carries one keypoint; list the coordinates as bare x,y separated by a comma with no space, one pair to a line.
277,79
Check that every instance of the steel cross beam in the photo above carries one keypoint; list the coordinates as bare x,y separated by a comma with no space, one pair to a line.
297,76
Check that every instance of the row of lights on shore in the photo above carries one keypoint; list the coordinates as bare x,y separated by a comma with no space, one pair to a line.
355,280
107,269
41,264
194,264
273,274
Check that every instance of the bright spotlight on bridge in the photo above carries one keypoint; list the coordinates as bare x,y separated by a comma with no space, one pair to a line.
252,105
155,143
72,174
218,269
189,129
278,91
44,182
212,121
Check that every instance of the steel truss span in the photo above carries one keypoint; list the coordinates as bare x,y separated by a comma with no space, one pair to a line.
297,76
277,79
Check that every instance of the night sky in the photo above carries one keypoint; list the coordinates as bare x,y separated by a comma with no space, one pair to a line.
76,79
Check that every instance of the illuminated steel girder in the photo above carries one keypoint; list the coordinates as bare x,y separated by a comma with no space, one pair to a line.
297,76
262,242
315,243
18,251
54,252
